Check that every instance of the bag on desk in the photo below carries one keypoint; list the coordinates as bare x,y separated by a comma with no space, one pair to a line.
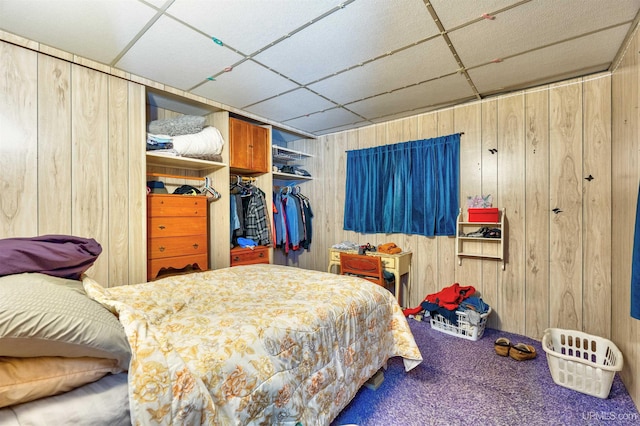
389,248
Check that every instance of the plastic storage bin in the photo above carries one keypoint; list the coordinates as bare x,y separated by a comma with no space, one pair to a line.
485,215
464,329
580,361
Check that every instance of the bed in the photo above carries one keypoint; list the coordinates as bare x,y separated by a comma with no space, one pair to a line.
255,344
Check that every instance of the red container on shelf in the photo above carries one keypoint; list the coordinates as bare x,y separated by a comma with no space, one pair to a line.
486,215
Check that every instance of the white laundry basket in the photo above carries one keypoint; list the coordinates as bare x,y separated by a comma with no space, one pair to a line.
580,361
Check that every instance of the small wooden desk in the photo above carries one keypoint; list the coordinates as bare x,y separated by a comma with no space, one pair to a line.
398,264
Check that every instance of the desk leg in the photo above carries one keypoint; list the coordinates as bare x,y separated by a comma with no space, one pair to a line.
397,276
331,265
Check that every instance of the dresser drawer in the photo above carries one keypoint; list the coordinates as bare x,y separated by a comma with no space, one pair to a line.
176,205
177,246
247,256
154,266
165,226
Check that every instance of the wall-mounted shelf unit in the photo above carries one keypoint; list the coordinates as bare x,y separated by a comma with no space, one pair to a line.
470,242
285,156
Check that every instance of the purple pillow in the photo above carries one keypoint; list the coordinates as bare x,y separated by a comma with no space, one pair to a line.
61,256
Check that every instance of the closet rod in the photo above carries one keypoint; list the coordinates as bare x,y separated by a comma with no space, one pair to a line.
154,174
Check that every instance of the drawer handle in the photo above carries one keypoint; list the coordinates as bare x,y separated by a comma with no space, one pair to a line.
236,258
161,227
260,254
161,248
195,246
195,212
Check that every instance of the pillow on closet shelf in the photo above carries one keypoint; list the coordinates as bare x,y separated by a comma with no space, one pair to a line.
41,315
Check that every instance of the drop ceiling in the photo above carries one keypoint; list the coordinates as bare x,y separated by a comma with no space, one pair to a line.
322,66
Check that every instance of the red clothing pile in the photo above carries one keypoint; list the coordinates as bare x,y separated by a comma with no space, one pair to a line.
448,298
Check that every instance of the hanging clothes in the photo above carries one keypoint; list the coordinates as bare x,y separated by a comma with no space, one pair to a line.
292,219
249,214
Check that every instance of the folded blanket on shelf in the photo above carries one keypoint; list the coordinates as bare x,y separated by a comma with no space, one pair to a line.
206,142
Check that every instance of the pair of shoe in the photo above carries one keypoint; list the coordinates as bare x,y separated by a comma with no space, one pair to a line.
479,233
519,351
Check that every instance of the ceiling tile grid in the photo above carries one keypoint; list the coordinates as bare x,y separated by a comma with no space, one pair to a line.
291,105
247,84
545,65
360,31
265,21
171,53
419,63
331,65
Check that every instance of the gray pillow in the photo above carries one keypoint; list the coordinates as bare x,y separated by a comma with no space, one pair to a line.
41,315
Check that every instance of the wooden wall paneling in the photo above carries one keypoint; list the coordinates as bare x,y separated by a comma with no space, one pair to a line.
219,210
468,121
447,261
318,255
489,168
511,190
424,260
565,130
537,212
18,141
54,145
137,213
118,175
90,160
327,229
625,330
596,226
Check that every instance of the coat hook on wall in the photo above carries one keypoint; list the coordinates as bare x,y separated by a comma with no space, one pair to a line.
493,150
589,178
556,210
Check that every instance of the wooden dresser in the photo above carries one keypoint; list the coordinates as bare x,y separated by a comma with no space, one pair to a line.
176,232
248,256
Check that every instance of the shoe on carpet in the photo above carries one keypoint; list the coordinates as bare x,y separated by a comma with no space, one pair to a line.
522,352
502,346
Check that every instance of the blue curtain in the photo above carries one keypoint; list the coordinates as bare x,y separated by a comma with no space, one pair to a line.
406,188
635,266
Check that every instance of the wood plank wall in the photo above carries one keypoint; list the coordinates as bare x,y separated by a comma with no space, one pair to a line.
624,194
548,139
72,156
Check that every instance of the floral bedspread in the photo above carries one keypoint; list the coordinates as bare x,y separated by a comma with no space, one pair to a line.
258,344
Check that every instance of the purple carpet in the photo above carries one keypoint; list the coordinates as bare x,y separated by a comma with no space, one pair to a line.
461,382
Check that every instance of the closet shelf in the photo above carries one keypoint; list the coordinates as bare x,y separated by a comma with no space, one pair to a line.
289,176
162,160
282,154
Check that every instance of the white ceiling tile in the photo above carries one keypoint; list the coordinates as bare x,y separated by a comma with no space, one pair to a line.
246,84
96,29
329,119
456,13
291,105
417,64
361,31
557,61
248,25
430,93
174,54
530,26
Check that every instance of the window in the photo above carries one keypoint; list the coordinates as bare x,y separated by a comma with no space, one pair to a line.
408,187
